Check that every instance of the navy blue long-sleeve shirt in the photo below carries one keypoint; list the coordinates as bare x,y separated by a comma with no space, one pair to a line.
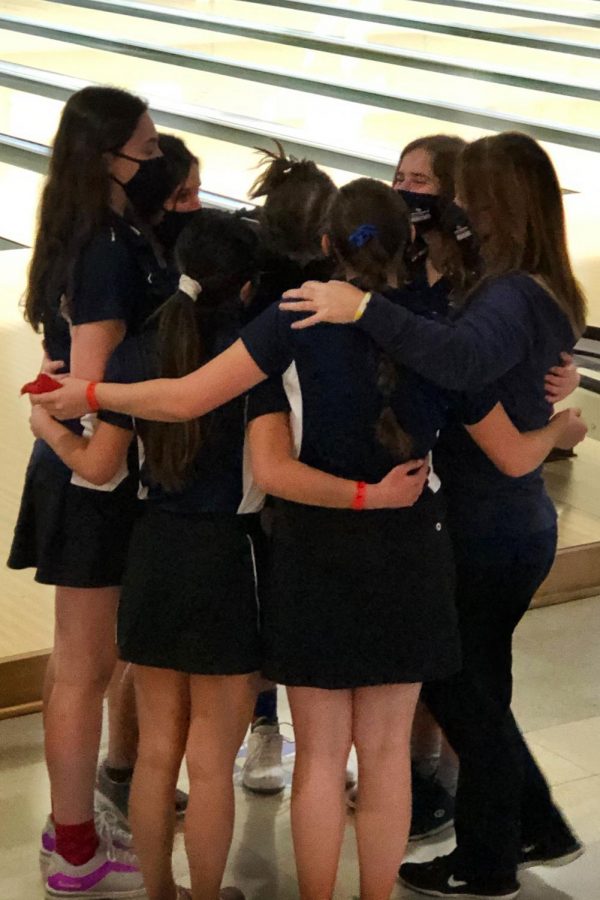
510,335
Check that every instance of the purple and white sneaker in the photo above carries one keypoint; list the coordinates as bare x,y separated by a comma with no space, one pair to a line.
111,874
107,826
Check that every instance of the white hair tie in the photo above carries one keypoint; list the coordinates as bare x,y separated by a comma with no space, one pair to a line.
190,287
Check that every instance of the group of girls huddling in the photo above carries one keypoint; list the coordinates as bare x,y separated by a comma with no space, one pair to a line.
400,441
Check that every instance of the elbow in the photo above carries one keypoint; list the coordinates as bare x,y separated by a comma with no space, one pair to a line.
266,477
99,474
265,482
183,409
512,468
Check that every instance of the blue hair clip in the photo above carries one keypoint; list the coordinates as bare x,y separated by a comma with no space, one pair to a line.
362,235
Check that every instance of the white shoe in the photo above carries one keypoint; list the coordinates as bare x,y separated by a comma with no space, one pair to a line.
263,769
111,874
108,826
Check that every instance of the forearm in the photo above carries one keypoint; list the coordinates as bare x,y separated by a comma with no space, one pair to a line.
292,480
161,400
534,447
72,449
463,356
226,376
513,452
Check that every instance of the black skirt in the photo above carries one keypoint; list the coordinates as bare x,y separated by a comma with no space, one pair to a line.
189,599
72,536
360,598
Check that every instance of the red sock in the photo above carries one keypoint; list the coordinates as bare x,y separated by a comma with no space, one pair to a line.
76,843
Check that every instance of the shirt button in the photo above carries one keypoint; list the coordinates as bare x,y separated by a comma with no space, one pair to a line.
438,526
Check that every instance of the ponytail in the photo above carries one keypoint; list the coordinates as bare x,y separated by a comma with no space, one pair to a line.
217,252
170,449
389,432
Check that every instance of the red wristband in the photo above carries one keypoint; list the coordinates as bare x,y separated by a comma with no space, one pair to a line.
90,396
360,496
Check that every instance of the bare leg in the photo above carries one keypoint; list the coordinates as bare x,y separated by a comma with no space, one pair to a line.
83,661
163,713
122,719
46,692
221,710
382,721
323,728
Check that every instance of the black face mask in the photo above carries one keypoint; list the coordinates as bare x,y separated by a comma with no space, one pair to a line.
150,186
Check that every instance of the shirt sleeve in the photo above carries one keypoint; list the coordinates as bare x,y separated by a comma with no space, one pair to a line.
473,407
106,280
119,371
493,335
268,340
267,397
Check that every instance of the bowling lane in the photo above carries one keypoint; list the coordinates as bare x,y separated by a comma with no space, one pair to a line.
486,55
519,104
369,132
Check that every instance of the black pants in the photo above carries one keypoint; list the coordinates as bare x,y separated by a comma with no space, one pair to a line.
503,801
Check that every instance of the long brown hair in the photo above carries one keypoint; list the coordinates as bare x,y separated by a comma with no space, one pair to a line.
298,198
369,229
219,251
366,202
444,151
511,192
76,196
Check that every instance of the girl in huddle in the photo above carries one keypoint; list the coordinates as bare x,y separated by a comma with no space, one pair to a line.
428,165
347,619
188,617
445,264
526,310
93,279
162,214
297,198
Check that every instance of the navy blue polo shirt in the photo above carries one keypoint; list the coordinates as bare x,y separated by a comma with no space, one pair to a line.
511,333
221,479
116,276
330,375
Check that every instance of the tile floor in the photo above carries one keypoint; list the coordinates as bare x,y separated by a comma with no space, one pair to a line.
557,701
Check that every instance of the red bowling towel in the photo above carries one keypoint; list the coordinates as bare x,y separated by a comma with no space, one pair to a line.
43,384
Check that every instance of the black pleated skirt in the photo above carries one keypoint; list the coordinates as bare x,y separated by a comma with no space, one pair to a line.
360,598
189,598
72,536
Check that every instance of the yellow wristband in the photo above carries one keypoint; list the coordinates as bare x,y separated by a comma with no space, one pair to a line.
363,305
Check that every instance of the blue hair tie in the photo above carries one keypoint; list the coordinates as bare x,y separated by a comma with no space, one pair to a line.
362,235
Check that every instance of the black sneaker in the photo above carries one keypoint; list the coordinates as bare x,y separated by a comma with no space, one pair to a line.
439,878
552,851
432,808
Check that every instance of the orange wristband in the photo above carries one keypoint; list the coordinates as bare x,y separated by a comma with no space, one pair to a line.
90,396
360,496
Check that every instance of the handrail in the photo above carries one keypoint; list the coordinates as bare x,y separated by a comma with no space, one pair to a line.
423,106
429,62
